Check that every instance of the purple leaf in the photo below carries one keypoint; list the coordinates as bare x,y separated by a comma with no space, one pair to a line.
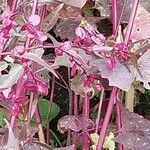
13,142
52,18
120,77
35,58
74,123
135,133
36,146
77,84
74,3
105,7
68,25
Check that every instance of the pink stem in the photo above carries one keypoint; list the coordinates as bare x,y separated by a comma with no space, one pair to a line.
119,117
114,15
120,17
86,116
35,2
99,111
42,12
131,21
37,116
106,119
14,6
19,89
30,107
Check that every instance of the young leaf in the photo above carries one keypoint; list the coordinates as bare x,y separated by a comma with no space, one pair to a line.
109,143
35,58
135,133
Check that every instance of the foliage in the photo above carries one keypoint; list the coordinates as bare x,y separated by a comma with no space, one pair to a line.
67,31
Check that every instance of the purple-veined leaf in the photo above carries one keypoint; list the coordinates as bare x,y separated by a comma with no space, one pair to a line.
74,3
135,133
75,123
120,77
52,18
35,58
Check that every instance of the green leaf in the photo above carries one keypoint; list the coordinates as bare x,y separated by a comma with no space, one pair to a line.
8,80
3,65
1,119
43,108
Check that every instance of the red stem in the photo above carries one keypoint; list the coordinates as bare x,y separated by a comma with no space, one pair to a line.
86,116
114,15
35,2
119,117
14,5
99,111
106,119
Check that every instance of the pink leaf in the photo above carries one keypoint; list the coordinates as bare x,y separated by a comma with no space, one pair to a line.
135,133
